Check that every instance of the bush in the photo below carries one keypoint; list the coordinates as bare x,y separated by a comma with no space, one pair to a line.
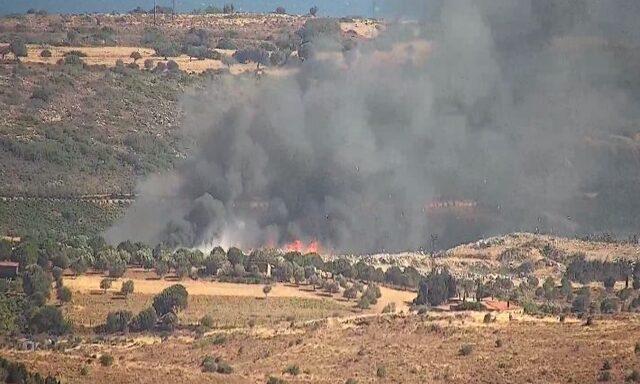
135,55
106,284
106,360
49,319
470,306
172,66
606,366
18,48
118,321
171,299
207,321
45,53
275,380
145,320
210,364
498,343
465,350
604,376
227,44
148,64
487,318
633,376
389,308
75,52
364,303
293,370
43,93
127,288
381,372
609,305
280,11
64,294
72,60
636,349
350,293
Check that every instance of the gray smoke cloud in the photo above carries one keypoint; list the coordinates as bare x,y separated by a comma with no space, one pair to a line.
523,110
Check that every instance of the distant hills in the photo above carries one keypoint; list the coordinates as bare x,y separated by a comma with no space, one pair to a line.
327,8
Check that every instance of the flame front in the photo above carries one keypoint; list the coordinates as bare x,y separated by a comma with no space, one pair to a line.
299,246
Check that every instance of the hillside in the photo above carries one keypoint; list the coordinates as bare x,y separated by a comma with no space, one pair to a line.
510,254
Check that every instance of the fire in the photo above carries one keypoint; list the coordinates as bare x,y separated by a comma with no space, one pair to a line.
299,246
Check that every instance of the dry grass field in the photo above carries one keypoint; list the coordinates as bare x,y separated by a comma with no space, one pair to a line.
108,56
398,349
227,311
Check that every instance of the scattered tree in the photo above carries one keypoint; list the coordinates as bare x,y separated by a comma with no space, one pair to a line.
171,299
106,284
127,288
135,55
266,289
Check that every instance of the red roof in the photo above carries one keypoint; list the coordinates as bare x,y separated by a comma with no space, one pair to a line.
9,264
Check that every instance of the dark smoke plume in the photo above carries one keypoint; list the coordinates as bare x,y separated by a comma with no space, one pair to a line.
479,118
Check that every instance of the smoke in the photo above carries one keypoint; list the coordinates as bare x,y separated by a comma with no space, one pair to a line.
505,104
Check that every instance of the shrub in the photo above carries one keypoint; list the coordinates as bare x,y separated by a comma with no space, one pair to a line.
604,376
43,93
609,305
210,364
45,53
172,66
487,318
465,350
633,376
280,11
470,306
275,380
350,293
606,366
127,288
207,321
227,44
84,371
117,321
636,349
135,55
75,52
72,60
148,64
381,371
351,381
293,370
145,320
106,284
313,11
169,322
266,289
18,48
364,303
171,299
64,294
106,360
609,282
389,308
48,319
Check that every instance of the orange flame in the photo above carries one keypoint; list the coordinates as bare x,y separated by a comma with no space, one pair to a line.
299,246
